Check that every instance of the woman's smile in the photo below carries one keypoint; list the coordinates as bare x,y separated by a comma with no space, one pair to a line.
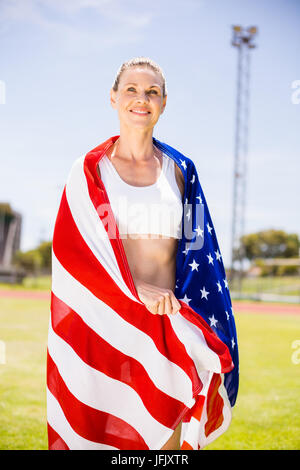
140,112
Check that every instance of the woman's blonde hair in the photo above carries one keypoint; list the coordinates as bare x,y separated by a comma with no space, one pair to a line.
142,62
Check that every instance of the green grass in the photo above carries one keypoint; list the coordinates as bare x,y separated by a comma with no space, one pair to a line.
23,328
266,415
267,411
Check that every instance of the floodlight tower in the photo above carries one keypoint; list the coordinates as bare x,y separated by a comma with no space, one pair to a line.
243,40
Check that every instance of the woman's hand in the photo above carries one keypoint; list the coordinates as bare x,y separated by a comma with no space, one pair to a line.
157,300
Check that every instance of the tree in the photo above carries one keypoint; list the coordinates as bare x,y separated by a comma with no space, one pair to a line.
45,251
35,261
30,261
271,244
6,210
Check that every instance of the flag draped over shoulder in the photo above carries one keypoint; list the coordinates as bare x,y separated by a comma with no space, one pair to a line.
119,377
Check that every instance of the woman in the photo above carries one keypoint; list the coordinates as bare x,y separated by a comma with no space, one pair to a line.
139,96
141,341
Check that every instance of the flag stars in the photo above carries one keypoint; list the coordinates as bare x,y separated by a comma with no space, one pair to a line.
219,287
232,343
213,321
193,179
199,231
218,255
210,259
186,299
204,293
187,249
183,164
209,228
227,315
200,199
194,265
225,283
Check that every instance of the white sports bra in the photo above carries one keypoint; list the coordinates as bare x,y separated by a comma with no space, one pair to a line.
154,210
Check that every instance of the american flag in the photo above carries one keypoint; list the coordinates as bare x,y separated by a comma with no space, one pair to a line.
119,377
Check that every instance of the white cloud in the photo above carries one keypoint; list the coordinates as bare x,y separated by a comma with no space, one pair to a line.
63,21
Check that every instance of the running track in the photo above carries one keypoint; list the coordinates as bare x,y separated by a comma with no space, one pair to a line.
238,307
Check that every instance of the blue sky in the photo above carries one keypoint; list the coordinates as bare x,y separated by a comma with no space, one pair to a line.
58,59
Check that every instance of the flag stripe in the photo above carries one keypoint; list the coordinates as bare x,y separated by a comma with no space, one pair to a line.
55,442
87,344
196,410
77,373
214,406
190,433
226,413
220,350
196,345
85,419
57,420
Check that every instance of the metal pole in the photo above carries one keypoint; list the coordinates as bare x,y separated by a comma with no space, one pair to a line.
242,39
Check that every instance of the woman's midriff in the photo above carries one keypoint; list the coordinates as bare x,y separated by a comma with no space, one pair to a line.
152,260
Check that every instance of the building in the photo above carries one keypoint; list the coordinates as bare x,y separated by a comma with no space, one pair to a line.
10,240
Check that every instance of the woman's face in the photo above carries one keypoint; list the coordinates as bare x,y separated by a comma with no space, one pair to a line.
139,99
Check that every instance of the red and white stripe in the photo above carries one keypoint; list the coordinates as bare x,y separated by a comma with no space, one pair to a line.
119,377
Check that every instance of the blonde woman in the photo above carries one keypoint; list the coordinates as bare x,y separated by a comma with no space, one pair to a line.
139,96
149,363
